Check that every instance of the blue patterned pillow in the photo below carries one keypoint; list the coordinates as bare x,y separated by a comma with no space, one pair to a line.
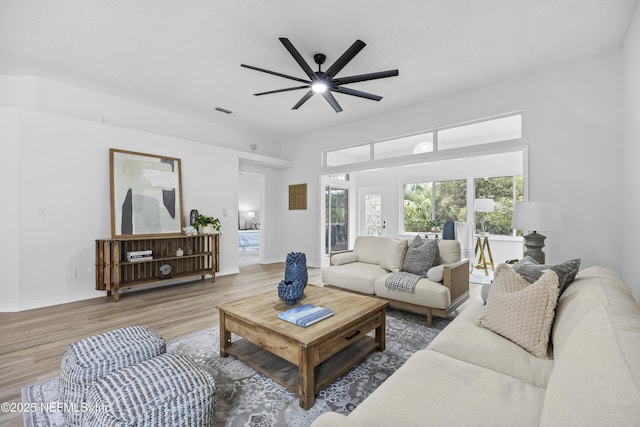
421,256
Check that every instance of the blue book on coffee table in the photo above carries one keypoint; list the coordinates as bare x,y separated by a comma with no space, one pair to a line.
305,315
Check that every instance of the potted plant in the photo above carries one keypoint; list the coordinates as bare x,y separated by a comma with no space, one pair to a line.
207,224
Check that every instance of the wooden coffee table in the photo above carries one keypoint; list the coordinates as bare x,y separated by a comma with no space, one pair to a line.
303,360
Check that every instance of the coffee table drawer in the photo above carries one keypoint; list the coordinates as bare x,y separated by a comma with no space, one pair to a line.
343,339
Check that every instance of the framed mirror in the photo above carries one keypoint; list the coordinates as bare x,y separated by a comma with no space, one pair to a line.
146,194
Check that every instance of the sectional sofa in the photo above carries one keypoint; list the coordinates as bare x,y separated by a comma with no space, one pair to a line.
472,376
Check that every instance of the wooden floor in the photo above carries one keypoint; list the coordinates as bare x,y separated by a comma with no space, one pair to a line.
33,341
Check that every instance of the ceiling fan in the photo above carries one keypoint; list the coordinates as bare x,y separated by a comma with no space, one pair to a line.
325,82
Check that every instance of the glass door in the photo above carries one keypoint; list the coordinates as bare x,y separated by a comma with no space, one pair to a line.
372,218
337,219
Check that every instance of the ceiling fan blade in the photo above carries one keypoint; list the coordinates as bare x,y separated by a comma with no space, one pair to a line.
296,55
364,77
251,67
303,100
332,100
282,90
356,47
348,91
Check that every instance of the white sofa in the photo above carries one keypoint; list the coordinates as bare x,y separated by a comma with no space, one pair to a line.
469,375
366,268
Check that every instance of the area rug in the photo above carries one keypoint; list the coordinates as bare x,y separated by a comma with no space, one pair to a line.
245,397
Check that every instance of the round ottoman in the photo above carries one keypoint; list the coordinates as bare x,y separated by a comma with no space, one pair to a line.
90,359
167,390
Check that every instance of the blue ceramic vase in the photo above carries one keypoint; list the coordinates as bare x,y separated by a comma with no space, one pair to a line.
296,268
290,291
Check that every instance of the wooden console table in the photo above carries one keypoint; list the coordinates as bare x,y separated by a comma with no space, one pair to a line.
114,271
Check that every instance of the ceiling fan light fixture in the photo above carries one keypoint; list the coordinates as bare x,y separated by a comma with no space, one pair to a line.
319,87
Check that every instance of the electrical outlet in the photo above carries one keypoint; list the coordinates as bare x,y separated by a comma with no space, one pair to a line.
73,273
41,212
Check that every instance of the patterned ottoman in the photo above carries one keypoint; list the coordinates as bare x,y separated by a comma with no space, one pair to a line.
90,359
167,390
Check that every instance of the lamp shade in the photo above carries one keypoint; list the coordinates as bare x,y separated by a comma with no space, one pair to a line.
483,205
537,216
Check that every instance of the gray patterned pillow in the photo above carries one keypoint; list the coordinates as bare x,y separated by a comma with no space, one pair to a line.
531,271
421,256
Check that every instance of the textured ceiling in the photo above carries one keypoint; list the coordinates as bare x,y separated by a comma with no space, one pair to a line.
185,56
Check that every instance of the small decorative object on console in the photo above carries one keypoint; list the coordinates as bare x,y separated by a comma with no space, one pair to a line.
165,271
190,231
193,215
179,252
290,291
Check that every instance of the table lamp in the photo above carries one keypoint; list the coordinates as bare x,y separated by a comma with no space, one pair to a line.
484,206
536,216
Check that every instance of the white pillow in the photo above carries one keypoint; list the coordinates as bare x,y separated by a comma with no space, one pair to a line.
344,258
436,274
519,311
392,254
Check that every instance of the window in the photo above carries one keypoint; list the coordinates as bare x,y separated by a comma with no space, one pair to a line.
428,205
451,201
502,129
406,146
417,207
505,191
346,156
373,214
481,132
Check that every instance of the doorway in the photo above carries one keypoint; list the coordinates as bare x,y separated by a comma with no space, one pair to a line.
250,218
336,219
372,216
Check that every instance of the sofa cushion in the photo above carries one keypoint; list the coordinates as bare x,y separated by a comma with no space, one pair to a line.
520,311
593,287
596,379
433,389
426,293
356,276
531,271
421,256
465,341
369,248
344,258
393,251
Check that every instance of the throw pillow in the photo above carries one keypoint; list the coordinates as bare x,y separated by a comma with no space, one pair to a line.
436,274
392,254
519,311
531,271
421,256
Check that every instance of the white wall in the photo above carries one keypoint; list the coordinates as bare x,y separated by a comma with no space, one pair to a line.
9,209
58,163
631,150
572,123
50,96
